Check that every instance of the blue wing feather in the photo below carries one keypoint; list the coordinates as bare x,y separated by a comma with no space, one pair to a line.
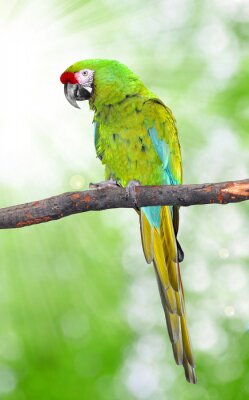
163,151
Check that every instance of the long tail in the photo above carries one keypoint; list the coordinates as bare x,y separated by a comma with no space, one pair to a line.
160,247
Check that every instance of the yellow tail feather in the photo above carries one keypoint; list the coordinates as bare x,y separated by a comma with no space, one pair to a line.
159,246
148,238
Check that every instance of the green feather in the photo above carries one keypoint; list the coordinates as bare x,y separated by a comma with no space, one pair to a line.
125,112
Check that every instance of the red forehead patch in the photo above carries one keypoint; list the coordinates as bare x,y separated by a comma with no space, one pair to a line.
68,77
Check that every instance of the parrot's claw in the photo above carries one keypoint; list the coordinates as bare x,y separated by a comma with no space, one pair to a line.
131,191
104,184
133,183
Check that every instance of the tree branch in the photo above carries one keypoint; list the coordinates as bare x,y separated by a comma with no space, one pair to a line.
65,204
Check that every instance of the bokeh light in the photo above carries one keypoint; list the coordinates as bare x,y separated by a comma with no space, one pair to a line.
80,312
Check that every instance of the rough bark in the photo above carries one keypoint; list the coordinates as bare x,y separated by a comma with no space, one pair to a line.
65,204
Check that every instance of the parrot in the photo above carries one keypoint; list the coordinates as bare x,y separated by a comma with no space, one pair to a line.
136,139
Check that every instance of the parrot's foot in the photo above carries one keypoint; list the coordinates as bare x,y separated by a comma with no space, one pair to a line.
131,191
104,184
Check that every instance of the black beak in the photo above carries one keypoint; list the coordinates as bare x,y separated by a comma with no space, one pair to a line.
75,92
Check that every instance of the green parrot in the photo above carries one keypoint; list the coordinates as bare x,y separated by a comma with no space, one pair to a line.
136,139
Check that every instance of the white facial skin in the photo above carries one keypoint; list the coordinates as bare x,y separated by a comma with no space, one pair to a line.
85,78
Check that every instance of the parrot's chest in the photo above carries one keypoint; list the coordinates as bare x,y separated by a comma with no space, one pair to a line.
125,148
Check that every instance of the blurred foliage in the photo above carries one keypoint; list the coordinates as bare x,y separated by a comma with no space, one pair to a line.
60,293
80,313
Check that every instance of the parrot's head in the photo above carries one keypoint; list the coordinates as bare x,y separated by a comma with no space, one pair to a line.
103,82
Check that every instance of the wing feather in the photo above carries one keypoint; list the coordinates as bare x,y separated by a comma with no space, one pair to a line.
159,227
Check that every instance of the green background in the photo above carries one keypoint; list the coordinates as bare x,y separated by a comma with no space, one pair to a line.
79,309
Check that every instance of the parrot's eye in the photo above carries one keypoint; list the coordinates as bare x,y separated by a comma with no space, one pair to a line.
85,79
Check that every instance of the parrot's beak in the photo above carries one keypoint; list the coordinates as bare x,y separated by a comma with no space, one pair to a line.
75,92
